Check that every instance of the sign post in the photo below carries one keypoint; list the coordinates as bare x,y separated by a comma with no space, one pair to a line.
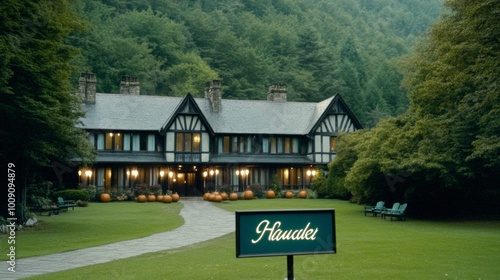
289,267
285,233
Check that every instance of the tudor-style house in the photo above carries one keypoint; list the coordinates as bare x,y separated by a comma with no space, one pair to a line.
192,145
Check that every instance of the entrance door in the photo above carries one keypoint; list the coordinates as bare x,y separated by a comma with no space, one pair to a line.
185,184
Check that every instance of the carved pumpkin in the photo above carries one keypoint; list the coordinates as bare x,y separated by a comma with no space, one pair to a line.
105,197
270,194
233,196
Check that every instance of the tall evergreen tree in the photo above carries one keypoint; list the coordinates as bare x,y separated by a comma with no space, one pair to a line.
38,107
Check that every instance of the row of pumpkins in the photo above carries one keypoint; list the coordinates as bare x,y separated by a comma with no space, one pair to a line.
105,197
213,196
247,195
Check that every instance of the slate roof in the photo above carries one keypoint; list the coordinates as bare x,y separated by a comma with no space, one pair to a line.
128,112
146,112
260,116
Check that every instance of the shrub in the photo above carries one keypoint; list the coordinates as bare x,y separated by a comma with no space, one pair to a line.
320,186
93,195
258,191
276,185
155,189
75,195
226,188
312,194
141,189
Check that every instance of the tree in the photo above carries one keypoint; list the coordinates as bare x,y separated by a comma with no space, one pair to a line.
444,151
38,109
455,74
191,75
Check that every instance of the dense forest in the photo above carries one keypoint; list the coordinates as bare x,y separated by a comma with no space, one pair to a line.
317,48
442,155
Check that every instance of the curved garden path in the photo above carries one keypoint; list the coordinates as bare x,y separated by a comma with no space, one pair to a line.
198,226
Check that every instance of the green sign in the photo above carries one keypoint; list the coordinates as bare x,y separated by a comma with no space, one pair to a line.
285,232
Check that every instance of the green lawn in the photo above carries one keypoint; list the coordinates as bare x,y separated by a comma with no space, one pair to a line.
97,224
368,248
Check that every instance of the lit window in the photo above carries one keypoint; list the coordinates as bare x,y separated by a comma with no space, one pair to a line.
179,142
118,142
187,142
107,178
287,145
227,144
333,143
109,141
196,142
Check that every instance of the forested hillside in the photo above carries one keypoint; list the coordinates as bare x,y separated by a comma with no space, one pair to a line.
318,48
442,155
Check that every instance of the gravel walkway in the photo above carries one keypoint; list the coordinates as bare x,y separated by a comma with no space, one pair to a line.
198,217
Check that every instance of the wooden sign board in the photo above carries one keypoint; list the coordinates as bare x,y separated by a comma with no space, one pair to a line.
285,232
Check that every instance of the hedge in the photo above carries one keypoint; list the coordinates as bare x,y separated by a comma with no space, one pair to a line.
75,195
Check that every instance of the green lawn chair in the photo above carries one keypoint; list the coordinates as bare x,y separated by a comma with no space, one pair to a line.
378,208
394,208
400,213
65,204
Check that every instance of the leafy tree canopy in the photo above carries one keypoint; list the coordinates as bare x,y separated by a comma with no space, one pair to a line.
443,153
317,48
38,108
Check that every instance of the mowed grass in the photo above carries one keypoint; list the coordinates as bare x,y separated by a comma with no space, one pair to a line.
367,248
97,224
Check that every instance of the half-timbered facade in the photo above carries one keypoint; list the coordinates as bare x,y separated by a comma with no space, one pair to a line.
193,145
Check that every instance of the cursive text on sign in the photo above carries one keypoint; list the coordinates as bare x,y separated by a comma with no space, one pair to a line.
275,233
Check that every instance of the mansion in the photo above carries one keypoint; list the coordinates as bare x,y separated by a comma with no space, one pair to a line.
192,145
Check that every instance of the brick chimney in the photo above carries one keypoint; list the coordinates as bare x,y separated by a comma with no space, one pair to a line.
130,85
213,92
87,87
277,92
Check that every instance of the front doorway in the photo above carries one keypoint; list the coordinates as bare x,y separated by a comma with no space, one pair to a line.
185,184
